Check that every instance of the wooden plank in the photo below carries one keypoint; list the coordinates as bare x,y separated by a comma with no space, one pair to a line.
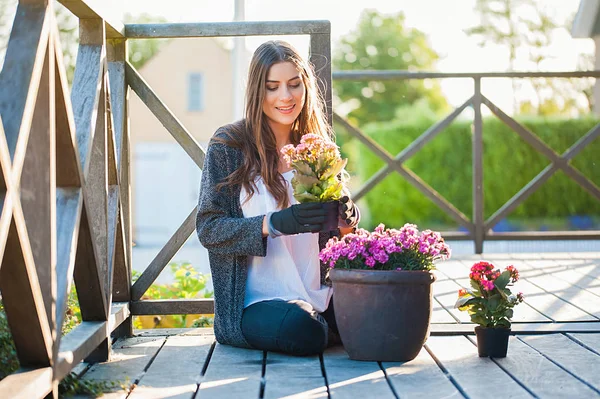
20,77
5,197
592,341
540,375
68,169
22,297
176,370
78,344
121,288
520,328
220,29
86,337
459,357
232,373
98,9
87,279
68,217
116,56
477,179
37,188
403,74
291,376
354,379
129,359
96,191
582,299
439,314
419,378
27,384
164,256
320,58
173,306
550,305
575,358
164,115
152,332
112,225
85,98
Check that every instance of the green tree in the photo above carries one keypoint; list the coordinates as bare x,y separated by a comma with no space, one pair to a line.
526,27
383,42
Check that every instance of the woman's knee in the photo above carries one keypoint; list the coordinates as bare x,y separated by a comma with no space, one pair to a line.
303,332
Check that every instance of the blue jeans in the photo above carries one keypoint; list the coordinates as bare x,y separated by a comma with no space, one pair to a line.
291,327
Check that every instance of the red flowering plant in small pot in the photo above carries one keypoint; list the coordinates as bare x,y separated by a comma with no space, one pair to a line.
382,289
490,304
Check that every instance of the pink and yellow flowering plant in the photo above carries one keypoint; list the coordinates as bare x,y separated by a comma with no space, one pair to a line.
490,302
386,249
316,164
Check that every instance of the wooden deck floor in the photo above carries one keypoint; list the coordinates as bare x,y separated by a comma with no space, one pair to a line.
554,354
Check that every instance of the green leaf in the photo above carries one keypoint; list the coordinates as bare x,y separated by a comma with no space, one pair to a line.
494,301
304,180
462,302
502,280
334,169
305,197
475,286
303,168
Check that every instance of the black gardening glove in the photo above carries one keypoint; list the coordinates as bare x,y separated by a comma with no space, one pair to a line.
300,218
349,214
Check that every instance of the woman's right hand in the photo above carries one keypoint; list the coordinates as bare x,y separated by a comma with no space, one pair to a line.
309,217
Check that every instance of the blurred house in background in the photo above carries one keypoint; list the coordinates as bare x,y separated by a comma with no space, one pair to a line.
193,79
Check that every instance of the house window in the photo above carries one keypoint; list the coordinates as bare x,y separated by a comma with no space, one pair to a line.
195,92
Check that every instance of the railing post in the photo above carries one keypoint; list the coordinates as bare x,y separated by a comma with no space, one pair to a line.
119,93
478,220
320,57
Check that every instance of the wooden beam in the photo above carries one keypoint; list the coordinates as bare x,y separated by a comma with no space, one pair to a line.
164,115
20,76
173,306
79,343
320,58
68,166
27,384
22,297
87,279
68,216
219,29
164,256
99,9
520,328
5,198
117,55
37,188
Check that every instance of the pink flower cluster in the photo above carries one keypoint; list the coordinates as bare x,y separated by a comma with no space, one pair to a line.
310,148
386,249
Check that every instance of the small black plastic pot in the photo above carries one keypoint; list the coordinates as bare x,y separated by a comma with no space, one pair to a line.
492,342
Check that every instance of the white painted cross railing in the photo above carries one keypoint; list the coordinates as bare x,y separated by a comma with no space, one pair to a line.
65,183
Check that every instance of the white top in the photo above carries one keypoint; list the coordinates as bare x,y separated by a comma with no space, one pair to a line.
291,268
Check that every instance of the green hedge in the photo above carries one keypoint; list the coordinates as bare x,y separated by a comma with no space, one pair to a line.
445,164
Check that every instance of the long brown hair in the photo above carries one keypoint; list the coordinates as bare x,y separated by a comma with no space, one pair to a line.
254,136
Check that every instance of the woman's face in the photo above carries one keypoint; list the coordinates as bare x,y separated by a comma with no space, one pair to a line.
284,95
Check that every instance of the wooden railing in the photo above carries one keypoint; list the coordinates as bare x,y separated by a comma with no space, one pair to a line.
478,229
65,184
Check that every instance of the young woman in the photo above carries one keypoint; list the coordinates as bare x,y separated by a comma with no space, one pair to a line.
271,292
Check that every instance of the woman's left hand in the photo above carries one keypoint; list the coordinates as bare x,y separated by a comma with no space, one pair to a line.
349,214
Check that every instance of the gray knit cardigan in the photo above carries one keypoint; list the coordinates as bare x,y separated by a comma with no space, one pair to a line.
230,238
